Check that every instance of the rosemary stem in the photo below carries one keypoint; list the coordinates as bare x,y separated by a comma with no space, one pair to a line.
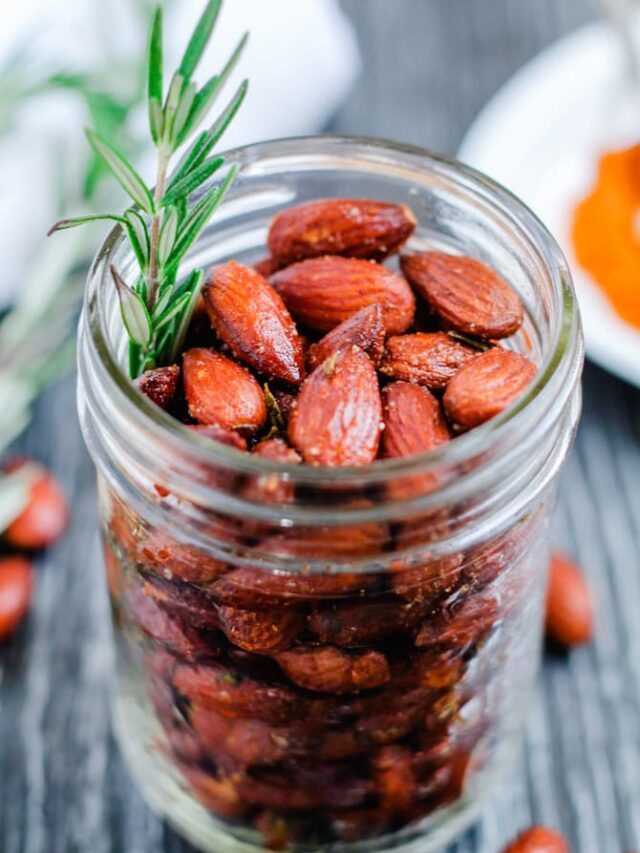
156,222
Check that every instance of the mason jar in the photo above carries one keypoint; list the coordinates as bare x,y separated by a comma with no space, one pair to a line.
317,658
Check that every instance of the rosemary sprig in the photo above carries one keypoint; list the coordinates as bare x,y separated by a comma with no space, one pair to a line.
162,226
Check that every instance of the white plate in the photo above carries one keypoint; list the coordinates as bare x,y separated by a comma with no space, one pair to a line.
541,136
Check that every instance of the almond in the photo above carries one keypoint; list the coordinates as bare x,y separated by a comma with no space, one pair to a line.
413,421
261,632
251,318
16,586
467,295
160,385
570,610
538,840
266,267
338,413
224,436
327,669
355,228
221,392
46,515
277,450
486,386
430,359
365,330
321,293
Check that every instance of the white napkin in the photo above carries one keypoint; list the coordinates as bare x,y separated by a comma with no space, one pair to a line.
301,60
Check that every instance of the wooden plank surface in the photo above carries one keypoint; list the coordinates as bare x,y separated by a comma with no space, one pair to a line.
430,64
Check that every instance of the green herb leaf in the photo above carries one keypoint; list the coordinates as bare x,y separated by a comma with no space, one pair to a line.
182,113
208,95
155,79
164,298
156,120
74,222
171,107
135,314
194,287
139,227
184,187
175,308
126,175
200,39
213,135
167,238
199,217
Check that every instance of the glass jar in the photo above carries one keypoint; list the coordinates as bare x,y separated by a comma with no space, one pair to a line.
331,659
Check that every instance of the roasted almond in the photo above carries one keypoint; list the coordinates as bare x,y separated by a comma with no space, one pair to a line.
365,330
569,610
323,292
413,421
251,318
538,839
160,385
467,295
429,359
355,228
221,392
266,267
224,436
46,514
486,386
327,669
338,413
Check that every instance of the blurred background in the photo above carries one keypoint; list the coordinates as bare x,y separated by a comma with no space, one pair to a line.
544,96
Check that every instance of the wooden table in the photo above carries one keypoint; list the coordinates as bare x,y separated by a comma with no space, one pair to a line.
430,65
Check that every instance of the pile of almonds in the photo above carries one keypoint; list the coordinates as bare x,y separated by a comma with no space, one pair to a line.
317,708
361,361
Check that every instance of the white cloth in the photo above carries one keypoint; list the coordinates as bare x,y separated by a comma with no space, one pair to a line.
301,60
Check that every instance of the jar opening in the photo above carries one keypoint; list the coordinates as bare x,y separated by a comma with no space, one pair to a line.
470,208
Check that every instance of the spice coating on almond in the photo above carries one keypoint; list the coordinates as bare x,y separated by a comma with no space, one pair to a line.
426,358
323,292
467,295
251,318
338,413
487,386
569,608
356,228
364,329
538,839
221,392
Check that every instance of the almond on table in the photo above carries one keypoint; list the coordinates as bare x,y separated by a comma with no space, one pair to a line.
16,584
323,292
538,839
356,228
569,607
467,295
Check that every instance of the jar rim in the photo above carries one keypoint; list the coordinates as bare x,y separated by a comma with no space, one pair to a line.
556,373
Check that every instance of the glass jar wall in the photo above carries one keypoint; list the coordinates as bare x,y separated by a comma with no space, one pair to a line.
331,659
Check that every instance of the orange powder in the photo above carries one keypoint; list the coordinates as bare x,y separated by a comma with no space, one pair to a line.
606,231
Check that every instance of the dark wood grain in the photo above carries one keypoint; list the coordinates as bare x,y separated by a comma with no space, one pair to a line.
430,65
